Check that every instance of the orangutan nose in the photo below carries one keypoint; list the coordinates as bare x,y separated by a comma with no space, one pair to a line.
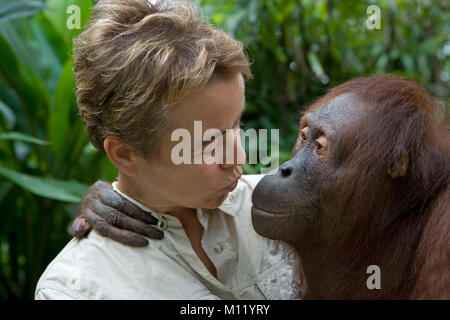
285,170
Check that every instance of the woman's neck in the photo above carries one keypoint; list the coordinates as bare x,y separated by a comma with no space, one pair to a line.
187,216
151,199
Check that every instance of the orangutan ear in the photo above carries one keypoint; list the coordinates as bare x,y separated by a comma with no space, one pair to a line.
399,167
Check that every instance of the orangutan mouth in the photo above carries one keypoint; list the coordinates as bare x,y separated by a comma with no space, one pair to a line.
265,213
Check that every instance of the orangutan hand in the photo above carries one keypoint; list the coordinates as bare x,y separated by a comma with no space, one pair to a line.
113,216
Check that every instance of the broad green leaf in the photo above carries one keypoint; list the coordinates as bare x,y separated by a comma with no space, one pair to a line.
54,40
20,9
9,61
68,191
29,87
59,122
35,38
19,136
57,14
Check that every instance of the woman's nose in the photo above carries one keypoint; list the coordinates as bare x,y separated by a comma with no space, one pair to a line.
234,154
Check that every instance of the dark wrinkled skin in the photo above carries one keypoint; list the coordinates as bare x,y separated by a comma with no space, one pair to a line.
115,217
291,197
370,197
293,193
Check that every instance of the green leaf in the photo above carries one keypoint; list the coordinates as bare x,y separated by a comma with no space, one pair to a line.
59,122
68,191
9,61
234,20
19,136
29,87
8,115
54,40
20,9
57,14
37,38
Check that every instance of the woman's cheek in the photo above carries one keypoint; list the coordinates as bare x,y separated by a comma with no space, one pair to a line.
213,175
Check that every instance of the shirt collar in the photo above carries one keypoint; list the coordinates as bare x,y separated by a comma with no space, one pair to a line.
230,205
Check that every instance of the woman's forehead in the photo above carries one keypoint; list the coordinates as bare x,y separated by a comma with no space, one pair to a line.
217,105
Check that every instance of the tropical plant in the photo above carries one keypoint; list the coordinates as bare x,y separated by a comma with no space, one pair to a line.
46,162
299,48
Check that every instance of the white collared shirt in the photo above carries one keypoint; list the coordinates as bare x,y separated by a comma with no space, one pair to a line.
248,265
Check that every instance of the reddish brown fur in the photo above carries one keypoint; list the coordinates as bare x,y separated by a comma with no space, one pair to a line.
403,224
433,259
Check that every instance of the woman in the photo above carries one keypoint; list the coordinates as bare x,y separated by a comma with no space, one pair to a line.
144,71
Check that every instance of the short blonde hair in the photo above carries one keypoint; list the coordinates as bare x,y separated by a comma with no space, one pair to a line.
137,58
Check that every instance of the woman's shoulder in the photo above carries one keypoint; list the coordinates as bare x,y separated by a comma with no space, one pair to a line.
81,264
100,268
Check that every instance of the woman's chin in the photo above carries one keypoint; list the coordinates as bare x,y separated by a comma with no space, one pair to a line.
214,203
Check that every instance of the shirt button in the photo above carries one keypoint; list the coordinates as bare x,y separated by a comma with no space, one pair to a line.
162,223
218,248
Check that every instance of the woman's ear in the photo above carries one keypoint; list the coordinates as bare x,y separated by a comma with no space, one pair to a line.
121,154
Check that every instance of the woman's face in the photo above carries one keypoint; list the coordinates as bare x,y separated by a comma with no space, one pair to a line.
170,186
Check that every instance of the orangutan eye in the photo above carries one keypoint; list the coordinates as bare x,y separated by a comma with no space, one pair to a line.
321,143
304,134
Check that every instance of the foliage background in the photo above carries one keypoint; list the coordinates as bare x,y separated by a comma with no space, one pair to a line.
299,48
